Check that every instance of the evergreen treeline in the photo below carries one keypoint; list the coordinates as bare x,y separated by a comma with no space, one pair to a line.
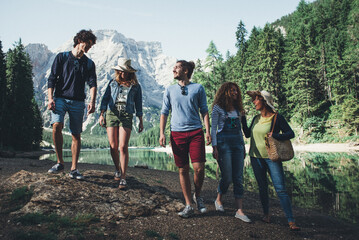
20,118
148,138
308,60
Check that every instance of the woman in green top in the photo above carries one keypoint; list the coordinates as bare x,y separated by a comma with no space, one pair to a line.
261,164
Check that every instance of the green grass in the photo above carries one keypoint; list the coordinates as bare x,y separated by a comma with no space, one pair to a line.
17,199
37,218
55,224
153,234
85,219
22,194
33,235
173,236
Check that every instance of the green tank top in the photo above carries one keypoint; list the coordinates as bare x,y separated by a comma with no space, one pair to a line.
260,128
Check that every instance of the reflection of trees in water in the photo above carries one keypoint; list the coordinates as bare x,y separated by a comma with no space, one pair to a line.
327,183
324,181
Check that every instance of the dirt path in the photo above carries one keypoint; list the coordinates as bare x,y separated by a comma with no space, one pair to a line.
211,225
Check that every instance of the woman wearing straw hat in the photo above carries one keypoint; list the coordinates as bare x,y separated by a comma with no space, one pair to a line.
228,144
123,98
261,164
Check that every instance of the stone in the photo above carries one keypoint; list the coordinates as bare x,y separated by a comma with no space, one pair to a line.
96,194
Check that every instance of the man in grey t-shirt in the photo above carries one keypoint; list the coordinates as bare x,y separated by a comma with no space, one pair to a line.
185,100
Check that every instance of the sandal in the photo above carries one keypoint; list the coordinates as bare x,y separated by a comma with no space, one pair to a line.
123,184
293,227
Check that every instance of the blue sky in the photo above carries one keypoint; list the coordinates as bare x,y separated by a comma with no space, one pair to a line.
184,27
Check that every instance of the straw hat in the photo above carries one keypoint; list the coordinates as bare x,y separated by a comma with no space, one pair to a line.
124,65
266,96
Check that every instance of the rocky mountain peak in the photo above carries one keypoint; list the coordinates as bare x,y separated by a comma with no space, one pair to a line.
154,68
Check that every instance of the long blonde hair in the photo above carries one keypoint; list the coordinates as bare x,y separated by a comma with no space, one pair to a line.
131,77
223,97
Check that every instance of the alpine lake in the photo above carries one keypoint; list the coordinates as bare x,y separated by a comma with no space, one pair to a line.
325,182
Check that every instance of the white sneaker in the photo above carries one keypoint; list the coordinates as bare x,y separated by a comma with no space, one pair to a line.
199,203
75,174
219,208
58,167
186,212
117,176
244,218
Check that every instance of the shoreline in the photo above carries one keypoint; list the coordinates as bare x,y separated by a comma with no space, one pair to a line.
314,147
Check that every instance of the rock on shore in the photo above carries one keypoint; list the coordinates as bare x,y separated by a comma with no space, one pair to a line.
97,194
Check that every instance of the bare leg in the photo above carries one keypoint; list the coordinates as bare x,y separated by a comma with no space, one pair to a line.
124,138
185,183
112,133
58,140
219,199
198,177
75,150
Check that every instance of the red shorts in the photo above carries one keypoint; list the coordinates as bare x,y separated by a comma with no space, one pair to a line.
188,143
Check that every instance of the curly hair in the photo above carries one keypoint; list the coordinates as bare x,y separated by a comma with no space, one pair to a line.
84,36
223,97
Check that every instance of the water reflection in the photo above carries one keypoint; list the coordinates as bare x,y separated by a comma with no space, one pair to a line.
138,157
327,182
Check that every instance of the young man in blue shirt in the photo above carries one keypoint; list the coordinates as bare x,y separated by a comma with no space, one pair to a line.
185,100
66,93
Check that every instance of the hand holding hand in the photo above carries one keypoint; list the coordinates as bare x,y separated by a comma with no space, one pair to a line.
208,138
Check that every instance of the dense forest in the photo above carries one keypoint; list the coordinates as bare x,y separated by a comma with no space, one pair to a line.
309,61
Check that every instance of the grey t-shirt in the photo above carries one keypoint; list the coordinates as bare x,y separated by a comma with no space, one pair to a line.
185,108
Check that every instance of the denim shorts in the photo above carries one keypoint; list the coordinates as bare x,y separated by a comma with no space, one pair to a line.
75,110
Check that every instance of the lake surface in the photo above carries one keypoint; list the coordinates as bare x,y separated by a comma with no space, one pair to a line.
327,182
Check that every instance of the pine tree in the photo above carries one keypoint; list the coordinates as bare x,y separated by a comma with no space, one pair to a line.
263,61
249,75
270,51
301,74
234,64
352,51
241,34
2,94
24,124
216,74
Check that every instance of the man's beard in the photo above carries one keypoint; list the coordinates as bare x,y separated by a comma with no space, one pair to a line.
179,77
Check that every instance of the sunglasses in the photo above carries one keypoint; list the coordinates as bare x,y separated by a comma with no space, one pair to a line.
183,90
